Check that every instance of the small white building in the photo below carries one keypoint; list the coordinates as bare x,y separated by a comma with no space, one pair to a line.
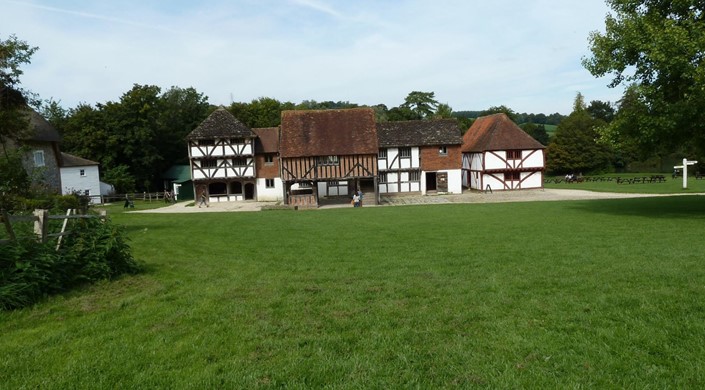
79,175
499,155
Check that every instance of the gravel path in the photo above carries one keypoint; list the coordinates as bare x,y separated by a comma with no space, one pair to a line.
467,197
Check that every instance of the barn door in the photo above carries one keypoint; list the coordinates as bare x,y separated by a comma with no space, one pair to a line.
442,181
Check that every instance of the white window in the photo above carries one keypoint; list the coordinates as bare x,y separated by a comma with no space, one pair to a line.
83,172
39,158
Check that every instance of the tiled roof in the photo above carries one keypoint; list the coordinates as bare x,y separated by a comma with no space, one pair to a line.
497,132
267,140
221,124
419,133
328,132
69,160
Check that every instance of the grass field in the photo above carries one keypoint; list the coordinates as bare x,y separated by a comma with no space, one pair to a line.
541,295
670,186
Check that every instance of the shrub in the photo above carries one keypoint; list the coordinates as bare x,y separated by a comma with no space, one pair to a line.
95,250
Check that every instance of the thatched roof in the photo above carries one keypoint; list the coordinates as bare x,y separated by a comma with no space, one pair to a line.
419,133
497,132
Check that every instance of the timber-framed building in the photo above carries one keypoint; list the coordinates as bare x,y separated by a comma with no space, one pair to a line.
327,153
222,158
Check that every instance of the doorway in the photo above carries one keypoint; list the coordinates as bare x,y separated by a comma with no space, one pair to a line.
249,191
431,181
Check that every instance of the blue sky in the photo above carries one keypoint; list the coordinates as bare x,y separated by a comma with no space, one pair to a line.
473,55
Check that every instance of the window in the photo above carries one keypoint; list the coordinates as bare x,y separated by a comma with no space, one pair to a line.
512,176
382,177
269,183
305,184
234,141
333,183
240,162
206,142
405,152
513,154
414,176
82,172
269,159
39,158
382,154
443,151
209,163
87,193
327,160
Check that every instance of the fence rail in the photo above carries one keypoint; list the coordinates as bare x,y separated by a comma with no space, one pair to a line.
41,220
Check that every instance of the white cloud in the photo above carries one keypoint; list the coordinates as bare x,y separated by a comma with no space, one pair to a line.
525,55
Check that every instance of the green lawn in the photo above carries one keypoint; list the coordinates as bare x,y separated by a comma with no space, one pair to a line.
599,294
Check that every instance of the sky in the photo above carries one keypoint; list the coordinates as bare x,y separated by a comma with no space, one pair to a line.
524,54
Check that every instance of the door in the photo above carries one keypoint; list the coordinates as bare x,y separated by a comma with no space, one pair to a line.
249,191
431,180
442,181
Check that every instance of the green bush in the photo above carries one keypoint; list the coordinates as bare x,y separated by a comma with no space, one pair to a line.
94,251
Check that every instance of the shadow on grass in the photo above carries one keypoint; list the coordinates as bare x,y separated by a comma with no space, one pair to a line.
688,206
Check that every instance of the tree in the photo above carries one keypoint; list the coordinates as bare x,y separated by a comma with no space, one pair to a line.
422,104
443,111
576,147
13,100
659,47
538,132
601,110
501,109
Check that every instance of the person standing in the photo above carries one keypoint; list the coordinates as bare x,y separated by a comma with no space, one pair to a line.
356,200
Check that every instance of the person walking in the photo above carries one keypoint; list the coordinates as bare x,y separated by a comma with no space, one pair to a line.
203,200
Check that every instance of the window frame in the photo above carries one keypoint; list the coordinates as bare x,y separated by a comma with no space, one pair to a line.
514,154
269,183
327,161
382,155
38,157
208,163
405,152
442,150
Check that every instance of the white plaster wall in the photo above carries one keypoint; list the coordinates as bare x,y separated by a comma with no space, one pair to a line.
493,161
532,180
494,183
265,194
71,180
535,160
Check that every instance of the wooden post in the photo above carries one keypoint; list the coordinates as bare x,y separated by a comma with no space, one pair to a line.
63,229
41,224
8,225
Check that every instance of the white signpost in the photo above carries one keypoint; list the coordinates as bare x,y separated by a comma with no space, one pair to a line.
684,167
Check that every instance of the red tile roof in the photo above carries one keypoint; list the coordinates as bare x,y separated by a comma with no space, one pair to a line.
328,132
497,132
267,140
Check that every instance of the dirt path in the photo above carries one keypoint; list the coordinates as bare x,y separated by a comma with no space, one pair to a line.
467,197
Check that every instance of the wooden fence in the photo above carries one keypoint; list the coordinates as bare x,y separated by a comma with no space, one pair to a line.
145,196
41,219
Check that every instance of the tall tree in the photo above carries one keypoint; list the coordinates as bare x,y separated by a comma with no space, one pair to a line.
576,147
659,46
422,104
